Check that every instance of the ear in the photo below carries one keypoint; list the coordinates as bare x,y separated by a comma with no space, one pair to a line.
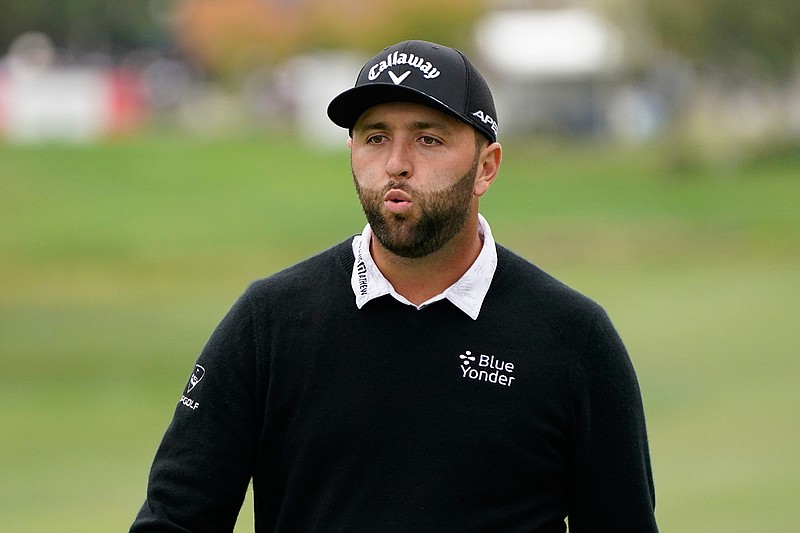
350,142
488,167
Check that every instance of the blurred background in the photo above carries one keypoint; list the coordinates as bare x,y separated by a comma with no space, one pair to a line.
157,156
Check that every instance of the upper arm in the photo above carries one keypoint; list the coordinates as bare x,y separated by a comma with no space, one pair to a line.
611,485
202,468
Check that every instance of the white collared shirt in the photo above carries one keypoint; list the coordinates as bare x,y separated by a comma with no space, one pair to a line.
467,293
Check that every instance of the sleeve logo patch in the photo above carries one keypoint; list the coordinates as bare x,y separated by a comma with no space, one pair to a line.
196,377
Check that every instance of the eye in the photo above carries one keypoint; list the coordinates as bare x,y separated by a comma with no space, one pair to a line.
428,140
376,139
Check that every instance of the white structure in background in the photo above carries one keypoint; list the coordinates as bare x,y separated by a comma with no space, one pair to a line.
316,79
40,101
554,69
552,43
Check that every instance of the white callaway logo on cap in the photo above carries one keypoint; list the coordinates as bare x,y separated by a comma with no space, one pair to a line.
399,58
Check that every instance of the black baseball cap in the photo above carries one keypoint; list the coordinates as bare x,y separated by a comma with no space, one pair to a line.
420,72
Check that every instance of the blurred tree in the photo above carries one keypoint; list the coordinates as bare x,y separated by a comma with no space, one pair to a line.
232,36
85,26
734,36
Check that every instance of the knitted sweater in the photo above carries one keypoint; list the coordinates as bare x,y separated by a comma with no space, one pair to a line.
392,419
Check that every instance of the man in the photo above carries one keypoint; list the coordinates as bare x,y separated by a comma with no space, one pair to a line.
417,377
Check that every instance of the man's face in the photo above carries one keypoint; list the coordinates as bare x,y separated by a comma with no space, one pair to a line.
414,170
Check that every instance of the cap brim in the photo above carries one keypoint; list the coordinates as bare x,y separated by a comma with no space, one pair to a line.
345,109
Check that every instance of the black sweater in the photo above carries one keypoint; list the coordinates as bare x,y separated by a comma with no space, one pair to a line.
390,419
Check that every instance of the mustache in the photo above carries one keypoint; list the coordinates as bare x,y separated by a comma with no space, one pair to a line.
398,186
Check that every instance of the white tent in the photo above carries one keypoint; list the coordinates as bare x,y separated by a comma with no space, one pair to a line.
549,43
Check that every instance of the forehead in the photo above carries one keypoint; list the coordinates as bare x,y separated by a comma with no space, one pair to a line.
408,114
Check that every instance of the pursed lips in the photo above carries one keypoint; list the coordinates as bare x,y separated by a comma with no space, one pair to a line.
397,201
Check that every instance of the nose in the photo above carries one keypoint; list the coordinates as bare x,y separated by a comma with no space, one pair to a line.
399,163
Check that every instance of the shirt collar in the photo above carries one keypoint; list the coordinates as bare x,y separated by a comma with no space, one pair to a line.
467,293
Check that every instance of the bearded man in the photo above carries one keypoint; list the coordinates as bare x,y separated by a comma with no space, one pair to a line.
417,377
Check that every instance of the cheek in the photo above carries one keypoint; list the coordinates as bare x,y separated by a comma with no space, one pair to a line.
368,173
359,164
356,167
360,176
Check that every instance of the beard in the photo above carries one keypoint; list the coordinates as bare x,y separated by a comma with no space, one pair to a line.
442,215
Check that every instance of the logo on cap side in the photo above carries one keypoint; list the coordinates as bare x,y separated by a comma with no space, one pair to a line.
486,118
398,58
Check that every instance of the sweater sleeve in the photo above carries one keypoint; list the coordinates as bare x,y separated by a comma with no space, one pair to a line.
202,468
611,486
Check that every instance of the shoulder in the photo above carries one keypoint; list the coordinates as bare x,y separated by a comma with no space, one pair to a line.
313,276
535,303
521,280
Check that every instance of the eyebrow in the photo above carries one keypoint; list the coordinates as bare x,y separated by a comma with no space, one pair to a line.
414,126
371,126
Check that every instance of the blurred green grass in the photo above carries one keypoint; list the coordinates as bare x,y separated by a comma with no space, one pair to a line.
117,260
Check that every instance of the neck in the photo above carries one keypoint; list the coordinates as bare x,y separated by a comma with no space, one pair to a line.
419,279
